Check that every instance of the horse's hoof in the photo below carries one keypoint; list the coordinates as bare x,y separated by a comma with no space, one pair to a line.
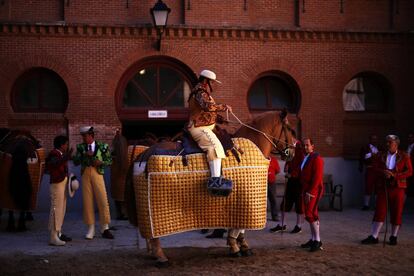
162,264
247,253
235,254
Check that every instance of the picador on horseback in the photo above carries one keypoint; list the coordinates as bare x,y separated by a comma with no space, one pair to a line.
203,118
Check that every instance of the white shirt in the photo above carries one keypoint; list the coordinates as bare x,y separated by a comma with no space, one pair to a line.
410,148
373,150
304,161
92,146
391,160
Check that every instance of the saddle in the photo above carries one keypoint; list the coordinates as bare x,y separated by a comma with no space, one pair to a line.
187,145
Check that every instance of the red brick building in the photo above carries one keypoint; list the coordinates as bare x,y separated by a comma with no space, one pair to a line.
343,68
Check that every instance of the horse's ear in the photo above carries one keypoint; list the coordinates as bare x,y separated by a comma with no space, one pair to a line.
283,115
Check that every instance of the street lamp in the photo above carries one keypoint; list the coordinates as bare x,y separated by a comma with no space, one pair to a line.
159,15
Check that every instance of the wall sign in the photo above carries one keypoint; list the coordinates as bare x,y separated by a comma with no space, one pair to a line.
157,114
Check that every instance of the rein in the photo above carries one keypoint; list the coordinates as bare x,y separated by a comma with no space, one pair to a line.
267,136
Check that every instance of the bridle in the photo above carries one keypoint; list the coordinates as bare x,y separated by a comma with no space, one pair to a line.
273,140
285,151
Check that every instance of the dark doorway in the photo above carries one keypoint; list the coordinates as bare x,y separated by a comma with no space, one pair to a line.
162,129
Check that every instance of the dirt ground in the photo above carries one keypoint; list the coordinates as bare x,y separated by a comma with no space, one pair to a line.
191,254
335,259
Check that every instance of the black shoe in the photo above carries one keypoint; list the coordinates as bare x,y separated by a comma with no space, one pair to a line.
295,230
65,238
316,246
278,229
370,240
217,234
307,245
204,231
393,240
107,235
365,208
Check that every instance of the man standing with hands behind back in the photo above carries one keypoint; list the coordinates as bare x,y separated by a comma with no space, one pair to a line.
94,156
311,179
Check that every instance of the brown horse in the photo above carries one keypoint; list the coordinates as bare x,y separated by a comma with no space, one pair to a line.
16,146
269,131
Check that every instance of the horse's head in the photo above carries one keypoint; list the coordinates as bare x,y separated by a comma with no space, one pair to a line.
283,138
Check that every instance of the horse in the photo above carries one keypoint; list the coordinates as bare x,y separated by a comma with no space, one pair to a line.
123,153
16,147
270,131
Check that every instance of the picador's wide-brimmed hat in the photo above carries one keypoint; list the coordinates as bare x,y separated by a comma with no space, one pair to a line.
73,185
86,130
209,75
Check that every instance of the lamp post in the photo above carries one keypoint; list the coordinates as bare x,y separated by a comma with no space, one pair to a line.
159,15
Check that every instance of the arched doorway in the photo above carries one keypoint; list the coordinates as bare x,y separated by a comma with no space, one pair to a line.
152,97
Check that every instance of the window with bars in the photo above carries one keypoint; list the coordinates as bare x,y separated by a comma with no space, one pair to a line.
367,92
39,90
274,92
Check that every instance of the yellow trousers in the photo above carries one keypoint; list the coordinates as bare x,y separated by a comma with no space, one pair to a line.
207,141
93,184
57,205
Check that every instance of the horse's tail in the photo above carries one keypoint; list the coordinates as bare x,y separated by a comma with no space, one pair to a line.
130,200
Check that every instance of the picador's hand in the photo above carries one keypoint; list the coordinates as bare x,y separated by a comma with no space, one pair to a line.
228,107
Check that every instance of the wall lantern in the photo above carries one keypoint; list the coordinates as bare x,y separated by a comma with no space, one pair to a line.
159,15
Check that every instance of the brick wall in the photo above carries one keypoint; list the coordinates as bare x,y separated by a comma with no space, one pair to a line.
91,60
313,14
321,69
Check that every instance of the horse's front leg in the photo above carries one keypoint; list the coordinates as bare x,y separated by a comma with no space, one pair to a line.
154,246
236,239
233,243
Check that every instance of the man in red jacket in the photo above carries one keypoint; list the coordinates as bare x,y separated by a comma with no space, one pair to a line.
410,151
311,179
394,167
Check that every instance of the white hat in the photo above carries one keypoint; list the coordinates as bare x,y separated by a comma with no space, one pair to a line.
73,185
209,75
86,129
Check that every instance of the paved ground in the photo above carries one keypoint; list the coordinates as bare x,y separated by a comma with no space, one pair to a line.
338,229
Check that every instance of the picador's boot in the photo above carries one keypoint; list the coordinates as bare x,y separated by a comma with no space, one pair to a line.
21,224
10,223
234,247
218,185
244,246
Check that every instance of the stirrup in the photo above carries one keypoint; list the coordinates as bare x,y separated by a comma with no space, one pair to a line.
219,186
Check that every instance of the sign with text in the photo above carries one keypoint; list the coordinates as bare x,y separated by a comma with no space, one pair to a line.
157,114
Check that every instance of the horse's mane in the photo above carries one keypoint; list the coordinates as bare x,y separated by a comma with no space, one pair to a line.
266,120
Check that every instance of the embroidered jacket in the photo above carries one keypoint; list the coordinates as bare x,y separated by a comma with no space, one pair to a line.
102,153
403,169
203,108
